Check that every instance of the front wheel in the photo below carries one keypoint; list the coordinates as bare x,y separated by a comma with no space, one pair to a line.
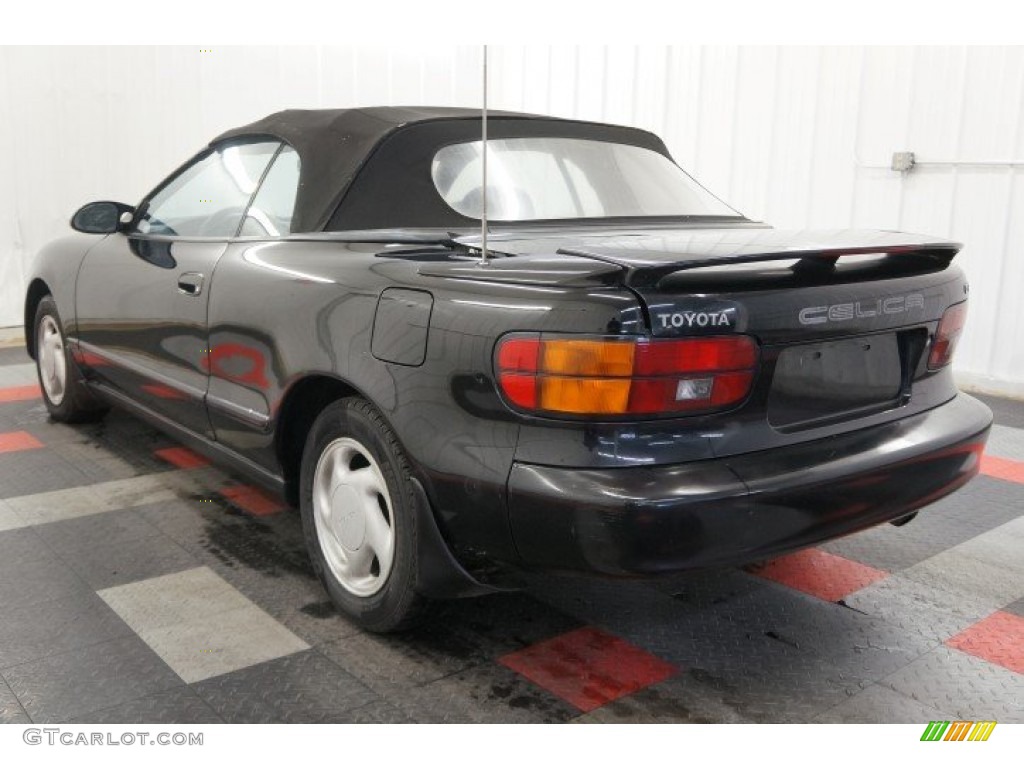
359,516
66,397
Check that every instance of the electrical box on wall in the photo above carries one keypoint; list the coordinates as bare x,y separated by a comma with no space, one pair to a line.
902,161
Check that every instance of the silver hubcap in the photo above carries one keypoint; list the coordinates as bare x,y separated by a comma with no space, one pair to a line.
352,514
53,367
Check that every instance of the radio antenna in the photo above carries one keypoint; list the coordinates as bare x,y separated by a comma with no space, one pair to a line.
483,164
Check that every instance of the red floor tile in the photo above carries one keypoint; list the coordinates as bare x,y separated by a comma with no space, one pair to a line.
182,458
819,573
14,394
1004,469
998,639
253,500
588,667
17,441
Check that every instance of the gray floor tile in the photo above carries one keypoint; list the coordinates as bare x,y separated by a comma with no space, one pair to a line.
706,589
179,705
83,533
45,629
99,676
95,462
114,548
933,611
109,565
302,688
9,518
485,694
12,351
847,640
378,711
981,506
30,573
962,687
676,700
976,573
1016,607
880,704
96,508
317,621
28,472
457,636
1007,442
390,665
1007,412
18,374
11,711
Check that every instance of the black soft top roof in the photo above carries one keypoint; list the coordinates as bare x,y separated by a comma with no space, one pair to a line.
336,147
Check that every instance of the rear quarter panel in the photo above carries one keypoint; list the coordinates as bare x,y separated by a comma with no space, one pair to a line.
291,309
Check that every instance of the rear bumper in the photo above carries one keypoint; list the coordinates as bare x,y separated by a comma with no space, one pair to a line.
735,510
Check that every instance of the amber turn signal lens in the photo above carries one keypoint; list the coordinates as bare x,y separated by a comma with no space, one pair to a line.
623,376
574,357
947,335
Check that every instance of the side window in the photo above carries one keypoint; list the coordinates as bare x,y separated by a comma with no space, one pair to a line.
208,198
270,214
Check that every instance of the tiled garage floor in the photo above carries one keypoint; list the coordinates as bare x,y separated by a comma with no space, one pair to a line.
140,584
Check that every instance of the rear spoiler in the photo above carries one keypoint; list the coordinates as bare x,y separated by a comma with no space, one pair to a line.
649,269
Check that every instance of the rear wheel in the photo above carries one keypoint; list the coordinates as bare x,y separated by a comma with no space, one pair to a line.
359,516
66,397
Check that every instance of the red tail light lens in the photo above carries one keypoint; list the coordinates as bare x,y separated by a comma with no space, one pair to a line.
588,376
947,335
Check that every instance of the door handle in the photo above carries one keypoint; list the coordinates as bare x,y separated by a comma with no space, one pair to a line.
190,283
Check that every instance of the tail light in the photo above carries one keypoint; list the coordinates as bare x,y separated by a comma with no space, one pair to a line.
594,376
947,335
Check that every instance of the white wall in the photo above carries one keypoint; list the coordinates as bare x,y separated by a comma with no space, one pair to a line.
799,137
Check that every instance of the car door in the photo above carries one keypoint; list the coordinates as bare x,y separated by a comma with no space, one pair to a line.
244,363
142,294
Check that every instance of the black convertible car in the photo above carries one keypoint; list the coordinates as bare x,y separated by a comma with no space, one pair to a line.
633,379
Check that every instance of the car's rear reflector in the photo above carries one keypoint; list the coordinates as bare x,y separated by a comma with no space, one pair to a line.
600,376
947,335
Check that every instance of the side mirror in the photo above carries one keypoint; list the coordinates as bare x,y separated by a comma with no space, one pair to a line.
101,218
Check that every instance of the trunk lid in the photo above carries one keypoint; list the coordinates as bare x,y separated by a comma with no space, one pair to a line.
844,318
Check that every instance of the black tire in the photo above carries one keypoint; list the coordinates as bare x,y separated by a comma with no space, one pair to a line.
396,606
77,403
